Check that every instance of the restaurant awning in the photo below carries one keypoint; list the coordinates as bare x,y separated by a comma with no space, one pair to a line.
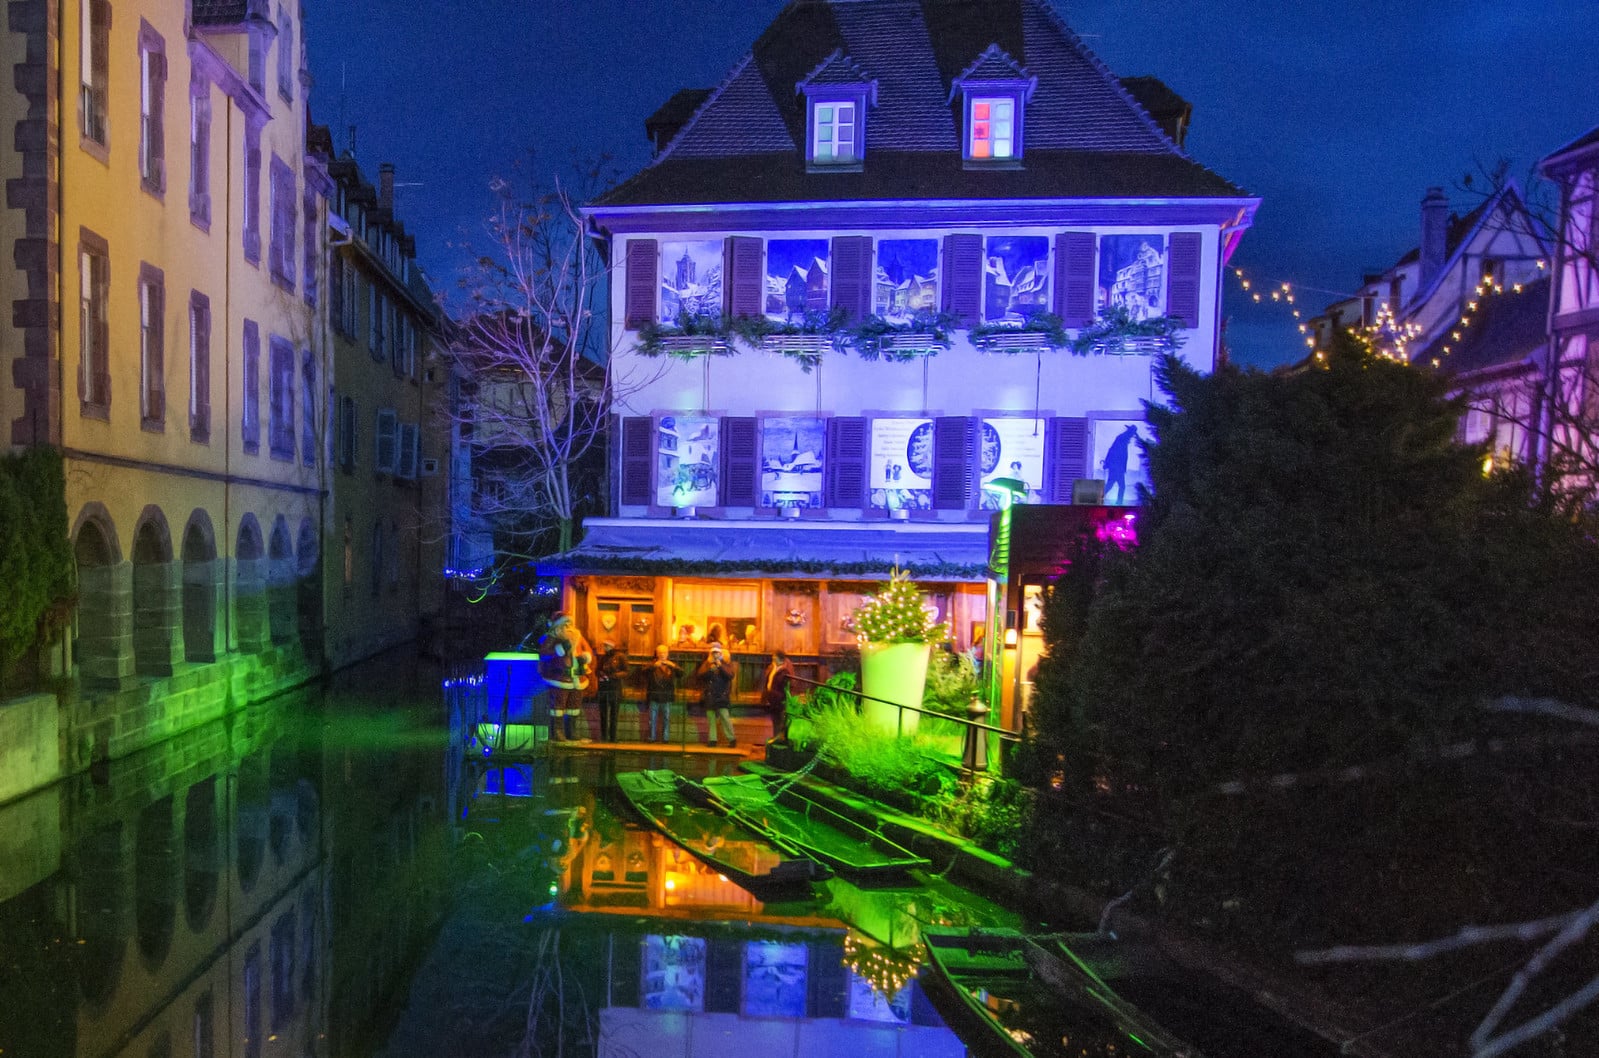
797,549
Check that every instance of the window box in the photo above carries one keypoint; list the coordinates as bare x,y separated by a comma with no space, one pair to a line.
901,346
689,346
797,344
1013,341
1122,345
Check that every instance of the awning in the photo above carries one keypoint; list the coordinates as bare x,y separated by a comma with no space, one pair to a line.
795,549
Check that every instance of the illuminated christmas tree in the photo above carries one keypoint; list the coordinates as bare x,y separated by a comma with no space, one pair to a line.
900,613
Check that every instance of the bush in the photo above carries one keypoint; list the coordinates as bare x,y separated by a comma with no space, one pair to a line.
994,813
831,725
951,681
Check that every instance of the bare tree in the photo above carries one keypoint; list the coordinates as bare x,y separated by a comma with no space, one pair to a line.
531,344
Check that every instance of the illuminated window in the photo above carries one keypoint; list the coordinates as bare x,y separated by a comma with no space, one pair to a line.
991,128
833,134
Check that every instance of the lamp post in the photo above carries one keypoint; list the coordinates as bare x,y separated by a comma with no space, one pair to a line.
974,758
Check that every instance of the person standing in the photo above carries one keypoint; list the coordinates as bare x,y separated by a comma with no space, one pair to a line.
611,672
564,660
716,674
774,692
660,691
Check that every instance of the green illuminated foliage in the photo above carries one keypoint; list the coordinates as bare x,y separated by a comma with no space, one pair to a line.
35,554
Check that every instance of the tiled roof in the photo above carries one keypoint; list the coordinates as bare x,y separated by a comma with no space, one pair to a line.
678,109
993,65
1156,96
1506,329
837,69
1080,119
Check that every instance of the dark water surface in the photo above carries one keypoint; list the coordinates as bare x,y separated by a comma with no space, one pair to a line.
332,875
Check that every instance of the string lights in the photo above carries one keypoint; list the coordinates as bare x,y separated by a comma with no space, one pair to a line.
1487,287
886,970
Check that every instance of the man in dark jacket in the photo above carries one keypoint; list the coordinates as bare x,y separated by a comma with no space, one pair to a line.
716,693
660,691
611,671
774,692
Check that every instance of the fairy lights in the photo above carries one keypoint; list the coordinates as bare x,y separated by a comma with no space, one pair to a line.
885,969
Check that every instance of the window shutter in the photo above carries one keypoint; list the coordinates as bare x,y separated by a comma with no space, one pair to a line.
200,426
643,277
1074,277
953,462
158,135
962,277
336,292
102,328
638,440
844,473
250,420
1182,270
158,352
1066,446
851,275
740,459
100,42
741,264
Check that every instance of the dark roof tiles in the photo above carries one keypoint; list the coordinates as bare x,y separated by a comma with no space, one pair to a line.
837,69
994,65
1506,329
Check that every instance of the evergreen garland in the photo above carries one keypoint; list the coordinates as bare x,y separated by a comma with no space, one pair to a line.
865,339
674,567
1051,326
1116,325
899,614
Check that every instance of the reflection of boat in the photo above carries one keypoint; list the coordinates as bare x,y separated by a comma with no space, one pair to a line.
1008,995
747,857
779,810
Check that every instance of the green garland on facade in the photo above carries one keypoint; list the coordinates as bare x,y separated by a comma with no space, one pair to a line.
900,613
1046,323
653,337
754,330
865,339
1116,324
669,567
36,564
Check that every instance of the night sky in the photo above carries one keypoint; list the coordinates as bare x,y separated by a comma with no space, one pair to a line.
1338,121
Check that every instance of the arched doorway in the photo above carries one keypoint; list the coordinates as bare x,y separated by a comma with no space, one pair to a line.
249,588
156,600
199,589
280,583
104,645
308,589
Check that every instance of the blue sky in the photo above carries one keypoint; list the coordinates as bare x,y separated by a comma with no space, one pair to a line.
1337,115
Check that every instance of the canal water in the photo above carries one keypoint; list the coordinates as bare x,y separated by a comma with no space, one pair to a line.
339,873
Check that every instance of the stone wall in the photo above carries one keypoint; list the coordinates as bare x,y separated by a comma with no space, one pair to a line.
30,756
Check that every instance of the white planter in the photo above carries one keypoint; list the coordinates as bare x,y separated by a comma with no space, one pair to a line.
895,672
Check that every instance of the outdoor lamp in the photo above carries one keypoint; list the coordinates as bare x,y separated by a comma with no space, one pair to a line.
1007,490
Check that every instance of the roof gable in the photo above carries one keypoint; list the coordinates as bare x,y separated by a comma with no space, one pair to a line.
836,71
993,65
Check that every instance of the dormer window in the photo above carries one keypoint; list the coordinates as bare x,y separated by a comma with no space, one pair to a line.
994,91
992,128
833,139
837,94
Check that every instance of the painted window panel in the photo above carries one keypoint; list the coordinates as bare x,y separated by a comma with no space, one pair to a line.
672,973
687,456
1015,277
1132,274
906,279
796,278
774,979
900,466
1011,451
1119,457
792,451
691,279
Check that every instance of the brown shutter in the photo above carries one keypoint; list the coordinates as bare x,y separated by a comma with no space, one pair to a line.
844,472
1066,452
158,351
638,440
745,278
850,275
962,277
102,329
643,280
953,462
740,460
200,426
1074,277
1182,270
100,42
158,135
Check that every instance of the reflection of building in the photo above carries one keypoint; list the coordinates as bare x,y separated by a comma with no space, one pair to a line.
914,227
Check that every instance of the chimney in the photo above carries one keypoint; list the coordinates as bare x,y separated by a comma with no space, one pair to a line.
386,186
1434,233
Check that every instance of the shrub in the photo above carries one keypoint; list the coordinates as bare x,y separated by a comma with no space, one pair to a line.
834,728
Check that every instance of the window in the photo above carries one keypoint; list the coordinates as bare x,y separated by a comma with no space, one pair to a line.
347,432
94,67
386,441
397,338
406,463
252,192
199,367
992,128
94,339
200,152
351,304
285,55
258,46
308,393
152,367
284,220
375,310
833,138
152,110
250,414
282,398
